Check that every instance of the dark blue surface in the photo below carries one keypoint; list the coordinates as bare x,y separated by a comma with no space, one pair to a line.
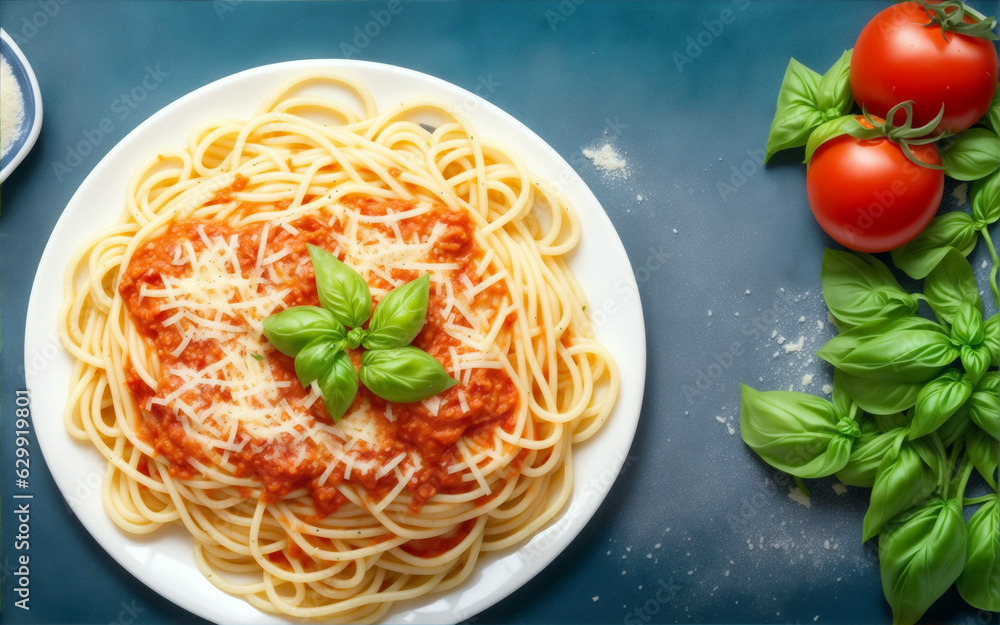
696,529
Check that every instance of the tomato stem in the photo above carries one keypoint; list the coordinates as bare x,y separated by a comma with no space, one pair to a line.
903,135
950,14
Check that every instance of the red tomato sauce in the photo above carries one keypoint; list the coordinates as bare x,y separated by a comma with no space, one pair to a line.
490,394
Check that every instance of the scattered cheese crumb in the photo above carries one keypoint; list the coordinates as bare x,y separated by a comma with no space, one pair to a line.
961,194
607,159
796,346
828,389
595,598
675,230
638,198
748,291
819,324
984,265
839,488
807,379
802,319
796,495
781,340
710,313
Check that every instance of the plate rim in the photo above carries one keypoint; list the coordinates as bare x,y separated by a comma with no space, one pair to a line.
36,95
551,540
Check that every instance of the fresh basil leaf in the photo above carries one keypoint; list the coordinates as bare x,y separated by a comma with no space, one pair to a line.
833,93
796,114
902,481
829,130
967,327
880,397
399,316
976,361
921,556
983,450
922,254
293,328
315,359
971,155
951,284
979,583
911,349
859,287
992,116
888,422
339,385
866,456
984,404
798,433
341,290
841,399
986,201
938,400
403,374
991,338
956,427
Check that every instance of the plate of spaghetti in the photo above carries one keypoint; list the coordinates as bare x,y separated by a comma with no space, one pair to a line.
194,450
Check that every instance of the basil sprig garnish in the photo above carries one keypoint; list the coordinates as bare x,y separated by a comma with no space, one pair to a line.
807,100
317,337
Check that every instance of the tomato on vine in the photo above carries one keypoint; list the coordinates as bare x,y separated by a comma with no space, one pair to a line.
873,186
933,53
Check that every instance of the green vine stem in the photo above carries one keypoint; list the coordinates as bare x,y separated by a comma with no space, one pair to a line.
978,500
964,472
996,261
904,135
950,16
946,485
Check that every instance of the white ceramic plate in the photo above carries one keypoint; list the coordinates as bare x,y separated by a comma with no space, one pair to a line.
164,560
32,101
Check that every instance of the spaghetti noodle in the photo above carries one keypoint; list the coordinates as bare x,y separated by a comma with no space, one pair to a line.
204,424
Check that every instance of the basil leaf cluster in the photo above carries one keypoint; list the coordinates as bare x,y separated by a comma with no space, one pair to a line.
317,337
807,100
914,414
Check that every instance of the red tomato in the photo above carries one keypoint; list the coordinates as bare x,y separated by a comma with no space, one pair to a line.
868,195
898,58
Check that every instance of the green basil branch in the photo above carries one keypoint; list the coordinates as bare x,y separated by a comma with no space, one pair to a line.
317,337
914,414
